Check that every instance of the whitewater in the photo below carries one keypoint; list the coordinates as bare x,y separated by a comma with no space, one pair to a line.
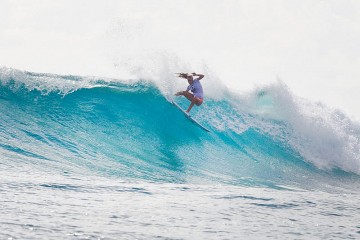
98,158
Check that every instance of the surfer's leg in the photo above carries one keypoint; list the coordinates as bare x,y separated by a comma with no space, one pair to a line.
197,101
190,107
191,98
188,95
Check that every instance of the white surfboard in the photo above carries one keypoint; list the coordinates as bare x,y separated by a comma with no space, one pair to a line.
187,115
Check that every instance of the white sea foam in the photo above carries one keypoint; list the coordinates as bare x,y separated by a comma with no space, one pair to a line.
45,83
324,136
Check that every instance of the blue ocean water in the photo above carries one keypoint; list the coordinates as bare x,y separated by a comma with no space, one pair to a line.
92,158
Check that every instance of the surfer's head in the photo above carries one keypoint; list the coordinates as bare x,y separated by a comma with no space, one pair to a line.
190,79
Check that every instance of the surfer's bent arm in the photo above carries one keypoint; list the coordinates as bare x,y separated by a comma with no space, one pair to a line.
201,76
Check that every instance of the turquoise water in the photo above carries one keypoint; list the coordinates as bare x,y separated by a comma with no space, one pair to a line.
96,158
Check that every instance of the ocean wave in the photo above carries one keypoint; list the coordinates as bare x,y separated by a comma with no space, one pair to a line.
129,129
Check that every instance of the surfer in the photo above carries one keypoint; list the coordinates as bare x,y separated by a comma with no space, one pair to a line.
197,96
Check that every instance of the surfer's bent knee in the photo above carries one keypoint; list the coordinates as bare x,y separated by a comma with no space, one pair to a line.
198,101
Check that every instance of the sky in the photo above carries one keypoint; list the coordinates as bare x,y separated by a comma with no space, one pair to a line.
310,45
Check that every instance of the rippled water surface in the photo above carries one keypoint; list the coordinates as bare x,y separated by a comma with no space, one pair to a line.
49,206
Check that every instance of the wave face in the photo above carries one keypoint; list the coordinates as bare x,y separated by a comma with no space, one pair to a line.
129,129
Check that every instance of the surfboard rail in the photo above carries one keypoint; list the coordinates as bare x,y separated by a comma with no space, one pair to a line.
188,116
